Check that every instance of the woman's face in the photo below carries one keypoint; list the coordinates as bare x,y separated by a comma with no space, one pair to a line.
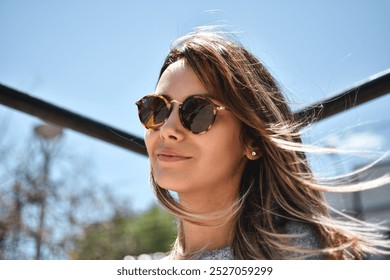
211,162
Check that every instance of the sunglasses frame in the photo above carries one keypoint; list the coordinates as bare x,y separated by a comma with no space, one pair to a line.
168,102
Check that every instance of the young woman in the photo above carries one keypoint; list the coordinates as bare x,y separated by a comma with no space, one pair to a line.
221,135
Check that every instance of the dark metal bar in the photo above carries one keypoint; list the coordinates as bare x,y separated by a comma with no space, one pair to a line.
64,118
374,87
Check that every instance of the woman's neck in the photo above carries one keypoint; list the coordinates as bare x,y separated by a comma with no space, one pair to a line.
213,233
196,237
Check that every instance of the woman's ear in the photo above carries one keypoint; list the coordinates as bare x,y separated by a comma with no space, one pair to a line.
251,144
252,153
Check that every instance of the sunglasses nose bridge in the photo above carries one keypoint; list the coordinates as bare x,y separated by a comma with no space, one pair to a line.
177,102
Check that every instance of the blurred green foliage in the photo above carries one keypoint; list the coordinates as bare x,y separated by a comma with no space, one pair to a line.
148,232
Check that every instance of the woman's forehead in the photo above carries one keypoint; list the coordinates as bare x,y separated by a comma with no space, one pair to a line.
180,80
180,67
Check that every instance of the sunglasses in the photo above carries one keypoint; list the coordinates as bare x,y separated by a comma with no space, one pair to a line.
197,113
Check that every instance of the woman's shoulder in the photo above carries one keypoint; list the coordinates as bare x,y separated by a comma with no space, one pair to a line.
305,236
217,254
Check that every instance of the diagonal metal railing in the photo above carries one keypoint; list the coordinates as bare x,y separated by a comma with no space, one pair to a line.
374,87
64,118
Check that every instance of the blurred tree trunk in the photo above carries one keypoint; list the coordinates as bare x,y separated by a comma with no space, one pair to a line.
46,197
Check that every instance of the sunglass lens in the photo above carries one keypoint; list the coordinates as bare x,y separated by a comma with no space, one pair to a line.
197,114
153,111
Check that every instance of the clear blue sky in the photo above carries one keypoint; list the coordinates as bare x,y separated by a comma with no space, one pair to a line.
97,58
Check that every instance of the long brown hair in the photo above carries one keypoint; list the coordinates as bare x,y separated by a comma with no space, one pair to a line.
278,187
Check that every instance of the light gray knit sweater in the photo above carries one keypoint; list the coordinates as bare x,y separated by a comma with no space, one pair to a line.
308,240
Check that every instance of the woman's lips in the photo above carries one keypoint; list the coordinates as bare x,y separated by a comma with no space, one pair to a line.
170,156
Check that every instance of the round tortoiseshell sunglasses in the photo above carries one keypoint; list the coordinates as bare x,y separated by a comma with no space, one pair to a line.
197,113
